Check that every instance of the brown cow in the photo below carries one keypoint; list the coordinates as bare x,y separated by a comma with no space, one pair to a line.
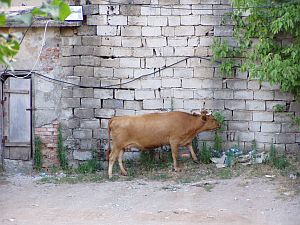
154,130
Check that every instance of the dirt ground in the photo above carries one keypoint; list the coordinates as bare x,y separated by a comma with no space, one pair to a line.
239,200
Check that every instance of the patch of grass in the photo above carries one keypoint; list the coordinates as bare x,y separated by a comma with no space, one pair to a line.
279,108
205,154
160,176
38,156
225,173
62,152
276,159
73,179
89,166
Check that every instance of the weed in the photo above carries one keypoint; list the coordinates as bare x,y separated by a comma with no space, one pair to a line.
160,176
225,173
91,165
279,108
277,160
218,141
38,157
62,152
205,154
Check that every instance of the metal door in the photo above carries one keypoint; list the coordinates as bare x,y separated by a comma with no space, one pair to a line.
17,119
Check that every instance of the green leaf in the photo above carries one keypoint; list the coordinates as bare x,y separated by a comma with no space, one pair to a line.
24,18
5,3
2,19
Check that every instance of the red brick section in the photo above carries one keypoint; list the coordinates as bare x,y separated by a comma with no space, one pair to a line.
49,136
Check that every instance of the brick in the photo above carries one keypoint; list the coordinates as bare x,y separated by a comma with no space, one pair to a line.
82,155
123,72
109,9
124,112
90,81
184,31
171,82
92,124
90,9
142,52
157,21
168,31
181,10
134,105
183,72
153,104
236,84
83,92
111,41
97,20
88,61
130,62
271,104
113,103
235,104
157,62
283,96
173,21
107,30
268,86
124,94
121,52
210,20
245,136
148,11
130,9
102,51
192,104
131,42
103,72
70,102
70,61
86,30
212,83
156,42
253,85
90,103
84,71
292,148
203,94
270,127
242,115
151,31
203,30
190,20
141,72
131,31
263,116
214,104
192,83
264,95
254,126
223,94
282,117
67,50
295,107
185,51
206,41
205,72
255,105
104,113
285,138
182,93
223,31
71,40
84,113
238,126
245,94
264,138
116,20
193,41
137,20
154,84
103,93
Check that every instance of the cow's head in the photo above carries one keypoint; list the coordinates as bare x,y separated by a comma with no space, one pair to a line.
210,122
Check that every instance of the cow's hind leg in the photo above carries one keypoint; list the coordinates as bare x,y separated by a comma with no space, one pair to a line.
120,160
194,157
112,158
174,149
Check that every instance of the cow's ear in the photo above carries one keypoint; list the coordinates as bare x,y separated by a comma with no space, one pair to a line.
203,117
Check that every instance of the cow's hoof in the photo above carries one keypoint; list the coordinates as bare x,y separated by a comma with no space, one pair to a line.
124,174
196,161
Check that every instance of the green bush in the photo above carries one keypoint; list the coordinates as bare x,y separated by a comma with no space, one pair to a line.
276,159
62,152
205,154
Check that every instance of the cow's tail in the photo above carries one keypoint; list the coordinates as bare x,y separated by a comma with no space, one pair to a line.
108,138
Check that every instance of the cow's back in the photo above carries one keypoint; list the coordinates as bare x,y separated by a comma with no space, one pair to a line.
150,130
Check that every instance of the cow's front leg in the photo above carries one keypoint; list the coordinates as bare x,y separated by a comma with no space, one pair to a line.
194,157
174,149
112,158
120,160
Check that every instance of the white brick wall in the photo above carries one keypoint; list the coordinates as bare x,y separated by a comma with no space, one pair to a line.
122,43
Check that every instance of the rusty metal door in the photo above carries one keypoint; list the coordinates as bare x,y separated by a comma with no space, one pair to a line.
17,119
